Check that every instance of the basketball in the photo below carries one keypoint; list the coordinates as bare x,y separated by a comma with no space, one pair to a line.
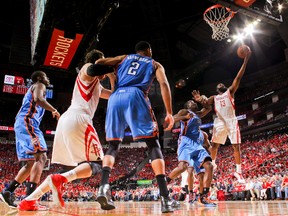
243,51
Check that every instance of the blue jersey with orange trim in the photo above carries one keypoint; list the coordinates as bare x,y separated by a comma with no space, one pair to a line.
136,71
191,128
29,109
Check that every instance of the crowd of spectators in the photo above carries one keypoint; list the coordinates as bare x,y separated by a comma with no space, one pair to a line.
265,162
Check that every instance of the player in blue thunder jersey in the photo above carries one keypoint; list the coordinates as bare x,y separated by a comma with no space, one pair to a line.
30,144
191,152
136,71
29,110
129,105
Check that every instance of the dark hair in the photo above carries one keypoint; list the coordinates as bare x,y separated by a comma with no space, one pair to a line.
93,55
186,105
35,75
194,108
142,46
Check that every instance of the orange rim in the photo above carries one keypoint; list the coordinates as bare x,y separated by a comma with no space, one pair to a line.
219,6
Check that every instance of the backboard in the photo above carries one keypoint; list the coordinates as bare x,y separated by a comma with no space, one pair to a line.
265,10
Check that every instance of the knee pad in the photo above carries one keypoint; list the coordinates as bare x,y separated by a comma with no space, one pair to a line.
113,148
95,167
154,148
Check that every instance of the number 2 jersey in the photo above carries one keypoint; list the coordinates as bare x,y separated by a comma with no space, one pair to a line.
129,104
136,71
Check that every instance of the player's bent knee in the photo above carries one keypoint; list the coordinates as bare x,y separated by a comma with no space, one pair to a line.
95,167
41,157
44,157
154,148
156,153
183,166
208,165
28,164
190,170
113,148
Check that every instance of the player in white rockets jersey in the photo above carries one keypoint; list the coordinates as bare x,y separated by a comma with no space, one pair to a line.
226,123
76,143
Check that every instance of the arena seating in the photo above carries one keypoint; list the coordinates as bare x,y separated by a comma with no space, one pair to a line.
264,157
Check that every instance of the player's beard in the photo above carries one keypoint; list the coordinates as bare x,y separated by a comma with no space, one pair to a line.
222,89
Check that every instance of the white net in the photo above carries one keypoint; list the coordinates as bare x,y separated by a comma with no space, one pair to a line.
218,18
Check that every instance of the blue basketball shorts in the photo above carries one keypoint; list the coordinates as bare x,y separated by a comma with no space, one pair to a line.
29,139
130,107
193,153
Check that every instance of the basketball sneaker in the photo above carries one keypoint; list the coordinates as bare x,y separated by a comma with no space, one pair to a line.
104,197
175,204
240,178
56,182
31,205
8,198
167,204
205,201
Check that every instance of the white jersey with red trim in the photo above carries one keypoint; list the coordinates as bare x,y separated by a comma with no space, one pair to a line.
224,105
86,96
76,139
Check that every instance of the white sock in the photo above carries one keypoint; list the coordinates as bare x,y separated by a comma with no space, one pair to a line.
213,162
35,195
40,190
238,168
70,175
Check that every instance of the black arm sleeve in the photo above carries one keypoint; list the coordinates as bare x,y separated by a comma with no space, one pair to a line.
99,69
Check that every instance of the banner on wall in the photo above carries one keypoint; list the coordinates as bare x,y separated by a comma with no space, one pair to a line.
61,50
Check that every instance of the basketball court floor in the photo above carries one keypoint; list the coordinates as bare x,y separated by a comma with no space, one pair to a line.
224,208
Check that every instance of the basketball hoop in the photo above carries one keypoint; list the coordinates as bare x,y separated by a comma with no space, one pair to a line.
218,17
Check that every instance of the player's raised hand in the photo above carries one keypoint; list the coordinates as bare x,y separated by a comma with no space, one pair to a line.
168,122
248,54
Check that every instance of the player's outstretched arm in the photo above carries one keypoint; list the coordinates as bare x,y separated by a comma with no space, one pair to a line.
202,98
166,95
236,82
182,115
111,61
205,110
